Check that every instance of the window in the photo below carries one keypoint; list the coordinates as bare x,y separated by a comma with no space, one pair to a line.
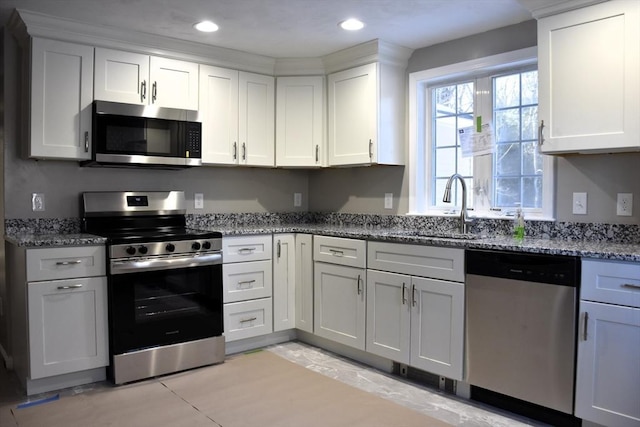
501,90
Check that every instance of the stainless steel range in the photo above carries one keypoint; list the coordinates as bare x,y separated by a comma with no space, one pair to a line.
165,284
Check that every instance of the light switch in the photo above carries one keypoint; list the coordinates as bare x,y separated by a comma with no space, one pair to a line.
580,203
198,201
388,200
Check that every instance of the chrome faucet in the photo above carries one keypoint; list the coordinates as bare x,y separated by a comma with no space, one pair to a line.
465,221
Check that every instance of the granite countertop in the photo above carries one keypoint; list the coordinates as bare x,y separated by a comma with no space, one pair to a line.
590,249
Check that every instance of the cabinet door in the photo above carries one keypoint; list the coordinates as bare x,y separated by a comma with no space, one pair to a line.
284,282
219,115
299,121
353,103
437,326
256,119
304,282
122,77
608,371
67,326
339,304
60,100
388,315
588,61
174,84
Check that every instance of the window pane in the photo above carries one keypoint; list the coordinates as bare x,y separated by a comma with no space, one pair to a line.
507,125
507,91
444,100
445,162
531,159
530,87
465,98
532,192
530,123
446,132
465,165
507,191
508,159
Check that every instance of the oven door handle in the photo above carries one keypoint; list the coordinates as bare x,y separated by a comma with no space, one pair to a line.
136,266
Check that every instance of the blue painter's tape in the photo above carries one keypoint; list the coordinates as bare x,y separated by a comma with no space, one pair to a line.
39,402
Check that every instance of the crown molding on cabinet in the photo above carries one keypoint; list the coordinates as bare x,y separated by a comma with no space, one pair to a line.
553,7
366,53
299,67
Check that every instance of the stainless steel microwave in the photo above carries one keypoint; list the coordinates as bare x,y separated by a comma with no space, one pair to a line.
144,136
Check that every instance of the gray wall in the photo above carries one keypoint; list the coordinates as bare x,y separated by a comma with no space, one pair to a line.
4,312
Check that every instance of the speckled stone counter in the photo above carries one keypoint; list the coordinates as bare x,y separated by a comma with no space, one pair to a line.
51,240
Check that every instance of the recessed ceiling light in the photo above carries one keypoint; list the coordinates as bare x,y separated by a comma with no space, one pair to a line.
206,27
351,24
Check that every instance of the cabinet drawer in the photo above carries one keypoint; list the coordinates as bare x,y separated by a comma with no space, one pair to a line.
338,250
417,260
246,248
65,263
614,282
248,319
246,280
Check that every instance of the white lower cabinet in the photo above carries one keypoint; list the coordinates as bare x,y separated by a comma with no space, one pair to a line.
417,321
608,369
67,326
248,288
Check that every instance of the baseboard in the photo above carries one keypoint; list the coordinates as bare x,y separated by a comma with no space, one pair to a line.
247,344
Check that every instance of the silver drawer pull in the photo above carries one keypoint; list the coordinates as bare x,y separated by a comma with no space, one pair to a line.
251,319
62,288
336,252
78,261
585,325
629,285
246,282
246,250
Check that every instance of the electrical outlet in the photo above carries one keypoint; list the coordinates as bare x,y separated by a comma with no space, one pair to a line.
388,200
580,203
37,202
624,206
198,201
297,200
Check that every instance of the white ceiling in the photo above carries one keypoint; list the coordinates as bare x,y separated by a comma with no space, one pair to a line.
292,28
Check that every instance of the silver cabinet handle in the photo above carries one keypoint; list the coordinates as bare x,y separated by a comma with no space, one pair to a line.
585,325
359,288
246,250
250,319
78,261
69,287
317,154
336,252
540,133
278,250
404,297
244,151
629,285
245,282
86,141
235,150
154,92
413,296
370,149
143,91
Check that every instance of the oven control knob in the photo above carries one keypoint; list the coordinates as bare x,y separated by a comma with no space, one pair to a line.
170,247
195,246
130,250
143,249
206,245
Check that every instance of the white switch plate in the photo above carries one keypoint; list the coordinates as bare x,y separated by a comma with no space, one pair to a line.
624,205
198,201
297,200
580,203
388,200
37,202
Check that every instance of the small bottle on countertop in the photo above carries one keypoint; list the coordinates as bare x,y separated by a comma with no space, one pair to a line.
518,224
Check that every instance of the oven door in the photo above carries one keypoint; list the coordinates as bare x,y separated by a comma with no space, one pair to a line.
164,306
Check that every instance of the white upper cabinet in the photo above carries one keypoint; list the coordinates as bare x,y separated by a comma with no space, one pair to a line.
366,115
300,121
237,112
588,61
60,100
135,78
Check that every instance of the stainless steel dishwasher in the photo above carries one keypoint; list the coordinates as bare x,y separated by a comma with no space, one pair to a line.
521,325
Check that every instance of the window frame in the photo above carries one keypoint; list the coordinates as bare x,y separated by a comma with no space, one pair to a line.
419,160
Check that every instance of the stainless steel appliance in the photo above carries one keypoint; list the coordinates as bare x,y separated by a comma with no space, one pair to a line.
521,317
143,135
164,284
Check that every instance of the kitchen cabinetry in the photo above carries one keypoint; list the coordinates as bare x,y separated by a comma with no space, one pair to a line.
136,78
300,121
304,282
238,117
588,61
247,286
284,282
339,290
60,97
59,315
608,370
416,320
366,115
